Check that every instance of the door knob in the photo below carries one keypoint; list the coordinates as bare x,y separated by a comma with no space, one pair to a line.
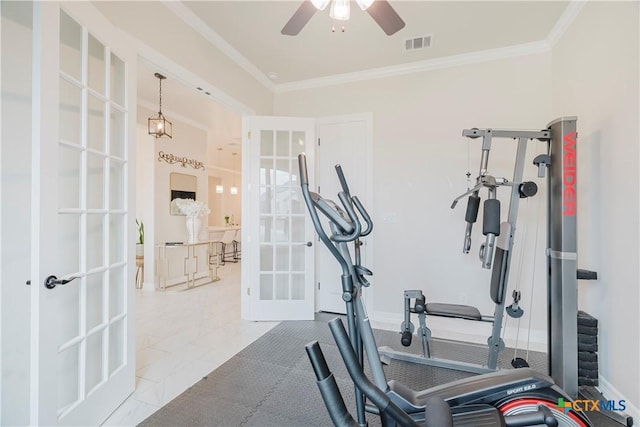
309,244
52,281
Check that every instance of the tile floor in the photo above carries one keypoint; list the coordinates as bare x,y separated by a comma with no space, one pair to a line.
181,336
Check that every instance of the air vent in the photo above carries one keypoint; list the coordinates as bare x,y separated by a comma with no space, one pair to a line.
417,43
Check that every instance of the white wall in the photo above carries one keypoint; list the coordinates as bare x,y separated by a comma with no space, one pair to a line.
191,143
595,76
420,161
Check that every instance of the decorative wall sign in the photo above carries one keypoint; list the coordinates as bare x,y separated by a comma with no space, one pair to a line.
184,161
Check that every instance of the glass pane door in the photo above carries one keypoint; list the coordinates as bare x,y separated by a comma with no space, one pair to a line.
85,331
283,273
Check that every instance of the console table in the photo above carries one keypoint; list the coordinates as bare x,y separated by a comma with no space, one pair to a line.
195,271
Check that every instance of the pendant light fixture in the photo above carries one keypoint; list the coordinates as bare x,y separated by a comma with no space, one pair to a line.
219,187
234,189
159,126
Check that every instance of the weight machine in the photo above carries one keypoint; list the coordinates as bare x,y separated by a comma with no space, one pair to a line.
559,165
495,253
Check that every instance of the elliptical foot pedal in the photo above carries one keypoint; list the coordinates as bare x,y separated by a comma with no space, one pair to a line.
519,362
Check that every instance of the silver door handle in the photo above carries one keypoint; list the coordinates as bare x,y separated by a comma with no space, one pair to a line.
309,244
52,281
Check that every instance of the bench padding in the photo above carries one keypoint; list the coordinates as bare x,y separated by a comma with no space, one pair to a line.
458,311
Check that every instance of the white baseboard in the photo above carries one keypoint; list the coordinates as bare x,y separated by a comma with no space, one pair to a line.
612,393
465,330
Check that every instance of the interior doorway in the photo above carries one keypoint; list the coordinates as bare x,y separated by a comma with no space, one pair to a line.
205,145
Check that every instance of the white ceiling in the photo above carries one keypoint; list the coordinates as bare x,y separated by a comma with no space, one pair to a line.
458,27
249,31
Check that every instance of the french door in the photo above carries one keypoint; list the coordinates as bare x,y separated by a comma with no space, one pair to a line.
82,226
277,265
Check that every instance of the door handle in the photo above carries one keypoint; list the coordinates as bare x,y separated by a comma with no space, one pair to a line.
309,244
52,281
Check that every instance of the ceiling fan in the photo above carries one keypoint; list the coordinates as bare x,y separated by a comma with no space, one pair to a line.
380,10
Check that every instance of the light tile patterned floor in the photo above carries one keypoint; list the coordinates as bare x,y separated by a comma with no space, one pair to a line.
181,336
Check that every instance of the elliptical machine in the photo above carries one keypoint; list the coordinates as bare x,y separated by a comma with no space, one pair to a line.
520,397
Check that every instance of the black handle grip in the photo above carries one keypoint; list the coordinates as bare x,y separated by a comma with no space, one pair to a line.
405,338
302,165
473,204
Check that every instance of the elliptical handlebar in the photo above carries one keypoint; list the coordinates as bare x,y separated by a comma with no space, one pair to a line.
365,216
302,165
357,228
350,231
342,179
312,206
355,201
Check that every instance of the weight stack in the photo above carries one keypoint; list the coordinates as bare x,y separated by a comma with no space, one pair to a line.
587,349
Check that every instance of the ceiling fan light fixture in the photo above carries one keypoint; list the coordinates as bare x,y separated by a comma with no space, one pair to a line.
364,4
320,4
340,10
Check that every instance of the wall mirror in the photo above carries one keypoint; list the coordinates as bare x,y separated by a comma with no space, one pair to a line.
182,186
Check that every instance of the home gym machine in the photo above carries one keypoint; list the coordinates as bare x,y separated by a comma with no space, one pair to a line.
499,240
519,397
559,165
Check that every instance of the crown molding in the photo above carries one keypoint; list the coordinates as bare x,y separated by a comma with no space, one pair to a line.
420,66
565,21
542,46
192,20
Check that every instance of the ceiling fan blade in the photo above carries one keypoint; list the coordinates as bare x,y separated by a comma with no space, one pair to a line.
388,19
299,19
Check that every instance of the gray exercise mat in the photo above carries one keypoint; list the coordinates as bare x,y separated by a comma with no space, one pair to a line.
271,382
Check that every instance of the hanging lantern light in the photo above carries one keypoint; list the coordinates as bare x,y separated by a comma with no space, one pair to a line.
159,126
